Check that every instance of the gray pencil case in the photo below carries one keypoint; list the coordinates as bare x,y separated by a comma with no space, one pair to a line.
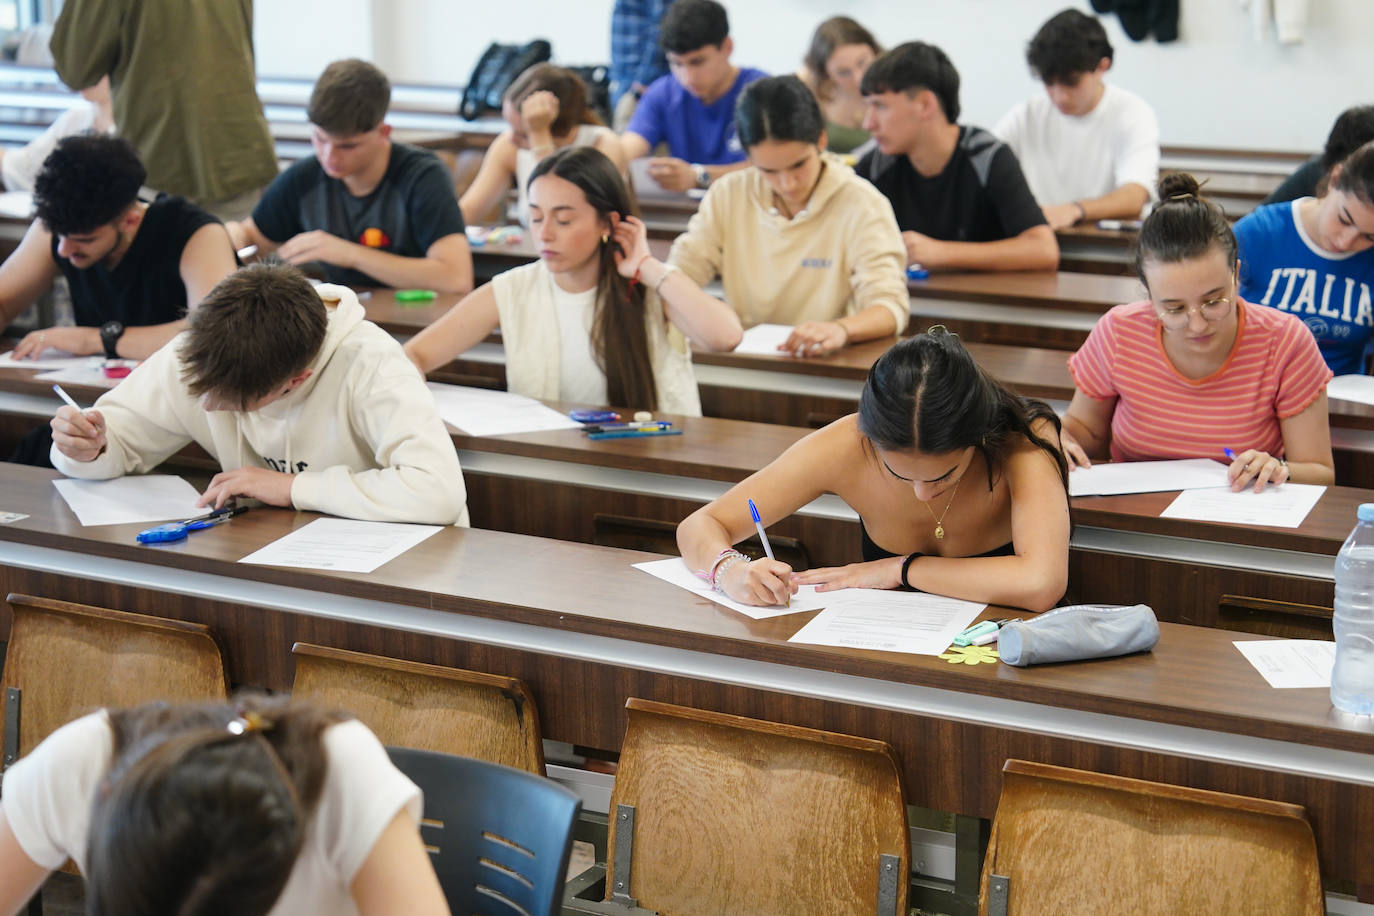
1078,632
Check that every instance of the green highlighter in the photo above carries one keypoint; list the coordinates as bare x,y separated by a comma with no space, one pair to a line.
415,296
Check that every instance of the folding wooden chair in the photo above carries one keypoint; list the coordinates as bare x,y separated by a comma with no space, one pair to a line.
429,707
66,660
1070,841
716,814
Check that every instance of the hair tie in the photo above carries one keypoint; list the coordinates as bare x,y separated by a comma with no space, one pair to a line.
248,721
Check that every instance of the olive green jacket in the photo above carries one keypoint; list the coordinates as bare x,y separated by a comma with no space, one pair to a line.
184,88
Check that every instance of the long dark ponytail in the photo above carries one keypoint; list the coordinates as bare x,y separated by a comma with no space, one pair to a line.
620,340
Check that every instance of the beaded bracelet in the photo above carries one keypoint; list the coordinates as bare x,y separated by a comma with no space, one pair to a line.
668,270
724,565
712,573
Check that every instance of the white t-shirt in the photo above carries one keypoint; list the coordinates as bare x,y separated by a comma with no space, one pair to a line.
584,135
20,167
49,795
1066,157
580,379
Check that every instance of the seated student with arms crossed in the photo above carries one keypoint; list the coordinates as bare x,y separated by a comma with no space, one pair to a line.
134,268
301,404
958,192
373,212
692,109
1089,150
262,806
1195,369
959,485
1314,258
798,238
546,108
597,319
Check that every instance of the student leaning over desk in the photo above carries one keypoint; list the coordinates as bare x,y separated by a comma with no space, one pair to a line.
959,486
301,400
798,238
597,319
1195,370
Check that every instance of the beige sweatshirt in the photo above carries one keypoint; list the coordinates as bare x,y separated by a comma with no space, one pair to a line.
841,254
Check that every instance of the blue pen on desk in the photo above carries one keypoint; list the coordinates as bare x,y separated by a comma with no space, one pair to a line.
177,531
763,536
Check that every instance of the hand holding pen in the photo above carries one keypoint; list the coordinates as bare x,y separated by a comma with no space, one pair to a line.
766,582
1257,466
79,434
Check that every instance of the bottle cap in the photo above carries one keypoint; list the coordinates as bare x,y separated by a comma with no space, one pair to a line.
1366,512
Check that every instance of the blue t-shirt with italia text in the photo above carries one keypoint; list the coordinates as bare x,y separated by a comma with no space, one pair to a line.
694,131
1280,266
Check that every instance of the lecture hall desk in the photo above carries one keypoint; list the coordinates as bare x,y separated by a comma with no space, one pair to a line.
633,492
586,631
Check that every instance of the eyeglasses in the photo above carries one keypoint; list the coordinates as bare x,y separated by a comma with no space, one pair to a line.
1176,317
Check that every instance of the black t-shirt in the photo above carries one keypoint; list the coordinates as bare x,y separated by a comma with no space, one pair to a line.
145,288
410,209
981,196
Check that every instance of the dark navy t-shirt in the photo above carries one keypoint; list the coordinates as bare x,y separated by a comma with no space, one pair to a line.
696,132
980,196
410,209
145,288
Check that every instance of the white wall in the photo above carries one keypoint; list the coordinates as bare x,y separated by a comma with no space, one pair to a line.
1216,86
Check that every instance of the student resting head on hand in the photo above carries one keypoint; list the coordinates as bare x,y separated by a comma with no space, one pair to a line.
798,238
597,319
1314,258
546,108
1195,369
261,806
959,485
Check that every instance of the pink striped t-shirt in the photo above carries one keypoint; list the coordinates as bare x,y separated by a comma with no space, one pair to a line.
1273,372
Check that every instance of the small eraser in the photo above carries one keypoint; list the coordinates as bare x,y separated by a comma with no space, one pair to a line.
643,416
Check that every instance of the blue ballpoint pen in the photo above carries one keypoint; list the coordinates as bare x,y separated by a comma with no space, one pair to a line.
763,536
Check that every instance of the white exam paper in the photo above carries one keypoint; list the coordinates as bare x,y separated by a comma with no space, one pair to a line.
342,545
1359,388
145,498
48,359
675,572
1113,479
866,618
764,339
1276,507
480,412
1291,662
91,376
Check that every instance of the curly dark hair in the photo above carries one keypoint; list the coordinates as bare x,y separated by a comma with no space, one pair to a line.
1070,44
86,182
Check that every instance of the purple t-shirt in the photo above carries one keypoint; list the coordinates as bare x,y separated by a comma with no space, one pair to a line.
695,132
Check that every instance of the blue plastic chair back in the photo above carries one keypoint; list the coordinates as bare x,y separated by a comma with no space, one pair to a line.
499,837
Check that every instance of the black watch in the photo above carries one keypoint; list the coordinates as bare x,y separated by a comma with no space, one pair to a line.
110,332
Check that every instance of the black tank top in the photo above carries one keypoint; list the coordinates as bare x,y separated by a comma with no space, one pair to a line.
872,551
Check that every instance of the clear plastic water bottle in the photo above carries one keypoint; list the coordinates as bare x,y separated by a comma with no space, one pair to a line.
1352,679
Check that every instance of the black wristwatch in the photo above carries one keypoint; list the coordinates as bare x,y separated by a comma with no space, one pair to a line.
110,332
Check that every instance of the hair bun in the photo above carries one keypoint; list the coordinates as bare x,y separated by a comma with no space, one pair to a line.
1178,186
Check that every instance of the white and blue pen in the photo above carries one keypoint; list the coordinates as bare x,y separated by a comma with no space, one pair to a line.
68,398
758,524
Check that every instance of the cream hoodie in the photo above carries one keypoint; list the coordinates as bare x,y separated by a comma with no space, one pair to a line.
362,434
841,254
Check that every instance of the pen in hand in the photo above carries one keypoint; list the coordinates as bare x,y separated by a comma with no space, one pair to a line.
763,536
68,398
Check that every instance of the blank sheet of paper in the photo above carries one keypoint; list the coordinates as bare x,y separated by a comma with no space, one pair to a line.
1146,477
49,359
342,544
675,572
148,498
1291,662
913,622
480,412
1359,388
764,339
1276,507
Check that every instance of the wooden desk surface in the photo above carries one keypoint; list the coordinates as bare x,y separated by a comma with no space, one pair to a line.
1194,678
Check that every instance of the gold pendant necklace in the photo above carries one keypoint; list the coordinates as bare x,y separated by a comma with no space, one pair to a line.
940,522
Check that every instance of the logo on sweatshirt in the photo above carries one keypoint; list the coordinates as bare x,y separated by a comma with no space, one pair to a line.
283,467
373,237
822,263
